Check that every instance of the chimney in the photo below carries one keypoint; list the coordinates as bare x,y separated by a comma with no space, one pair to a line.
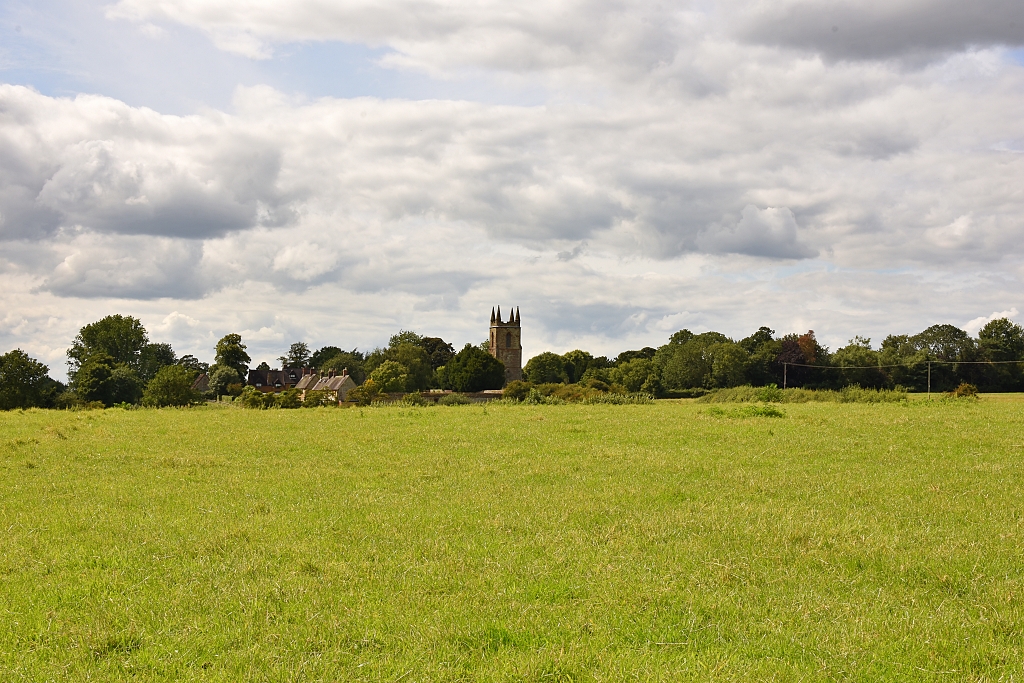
344,372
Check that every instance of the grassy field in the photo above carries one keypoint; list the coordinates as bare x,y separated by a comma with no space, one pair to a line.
547,543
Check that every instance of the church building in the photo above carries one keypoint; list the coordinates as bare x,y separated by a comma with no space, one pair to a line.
506,344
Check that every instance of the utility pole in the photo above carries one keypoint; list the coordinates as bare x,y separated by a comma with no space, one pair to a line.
785,367
929,379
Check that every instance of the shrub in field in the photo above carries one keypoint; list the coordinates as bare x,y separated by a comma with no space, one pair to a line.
536,398
746,411
771,394
251,397
517,390
315,399
415,399
619,399
171,386
364,395
548,388
574,393
965,390
221,377
288,399
455,399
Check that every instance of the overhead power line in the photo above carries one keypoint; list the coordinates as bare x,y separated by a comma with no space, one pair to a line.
929,363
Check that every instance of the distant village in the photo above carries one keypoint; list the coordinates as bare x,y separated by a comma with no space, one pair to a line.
112,362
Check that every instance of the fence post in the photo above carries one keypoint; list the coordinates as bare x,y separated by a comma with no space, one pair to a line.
929,379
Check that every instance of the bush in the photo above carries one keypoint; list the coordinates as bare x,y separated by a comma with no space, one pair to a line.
537,398
772,394
574,393
517,390
415,399
696,392
364,395
455,399
548,388
316,399
221,377
619,399
965,390
288,399
251,397
746,411
171,386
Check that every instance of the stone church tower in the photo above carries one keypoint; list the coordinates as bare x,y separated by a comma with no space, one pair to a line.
506,344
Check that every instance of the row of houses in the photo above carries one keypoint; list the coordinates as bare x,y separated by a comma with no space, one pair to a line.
303,380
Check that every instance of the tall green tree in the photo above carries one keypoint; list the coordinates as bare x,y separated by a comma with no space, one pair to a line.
194,364
221,377
25,382
635,373
352,361
322,355
415,359
121,337
172,386
230,353
298,356
950,344
850,360
691,363
728,364
390,376
626,356
473,369
405,337
577,362
1002,340
154,357
439,351
763,367
101,379
545,368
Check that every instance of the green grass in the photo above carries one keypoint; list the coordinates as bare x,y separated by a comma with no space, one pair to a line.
674,541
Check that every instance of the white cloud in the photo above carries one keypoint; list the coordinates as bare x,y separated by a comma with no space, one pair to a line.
975,325
676,165
433,35
770,232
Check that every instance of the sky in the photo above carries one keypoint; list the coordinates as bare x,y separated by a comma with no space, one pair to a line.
332,172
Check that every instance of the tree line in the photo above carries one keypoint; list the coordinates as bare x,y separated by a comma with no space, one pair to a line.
113,362
693,363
